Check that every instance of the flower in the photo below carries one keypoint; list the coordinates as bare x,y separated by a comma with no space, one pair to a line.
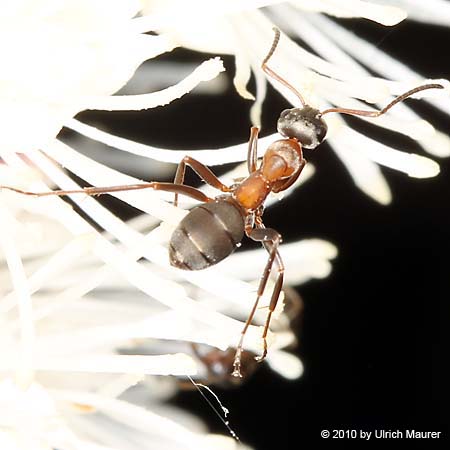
77,296
87,314
58,312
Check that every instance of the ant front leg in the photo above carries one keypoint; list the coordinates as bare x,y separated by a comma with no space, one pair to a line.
204,172
270,239
252,155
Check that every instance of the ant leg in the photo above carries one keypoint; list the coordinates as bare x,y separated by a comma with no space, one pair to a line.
177,187
252,155
270,239
400,98
204,172
168,187
284,184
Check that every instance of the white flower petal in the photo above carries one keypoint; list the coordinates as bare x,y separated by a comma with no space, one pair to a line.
373,57
365,173
261,89
24,363
179,364
139,419
414,165
438,144
176,14
286,364
205,72
436,12
211,157
73,52
58,263
386,15
242,76
304,260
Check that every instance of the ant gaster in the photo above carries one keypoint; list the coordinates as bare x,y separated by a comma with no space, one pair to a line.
213,230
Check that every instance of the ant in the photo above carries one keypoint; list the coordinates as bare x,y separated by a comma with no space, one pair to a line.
213,230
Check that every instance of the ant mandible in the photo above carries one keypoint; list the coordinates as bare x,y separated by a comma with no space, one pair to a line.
213,230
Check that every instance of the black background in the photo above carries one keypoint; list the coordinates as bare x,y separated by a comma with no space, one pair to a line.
374,338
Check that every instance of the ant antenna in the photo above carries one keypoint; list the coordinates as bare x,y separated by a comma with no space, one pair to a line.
273,74
400,98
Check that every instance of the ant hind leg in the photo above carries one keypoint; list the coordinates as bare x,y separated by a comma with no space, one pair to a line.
270,239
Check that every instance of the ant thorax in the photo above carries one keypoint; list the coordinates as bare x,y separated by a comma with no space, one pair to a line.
304,124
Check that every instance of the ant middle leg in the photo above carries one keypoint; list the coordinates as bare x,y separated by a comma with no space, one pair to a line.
271,240
204,172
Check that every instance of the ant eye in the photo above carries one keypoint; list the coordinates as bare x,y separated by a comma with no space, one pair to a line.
305,124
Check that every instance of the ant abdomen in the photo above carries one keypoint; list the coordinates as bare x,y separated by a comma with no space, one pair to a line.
304,124
207,235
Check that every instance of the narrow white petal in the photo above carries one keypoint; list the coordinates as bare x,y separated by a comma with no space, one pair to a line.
261,90
363,51
374,58
99,175
286,364
386,15
438,144
304,260
58,263
172,13
436,12
242,75
164,326
421,167
365,173
119,385
205,72
19,280
137,418
179,364
154,75
414,165
297,25
211,157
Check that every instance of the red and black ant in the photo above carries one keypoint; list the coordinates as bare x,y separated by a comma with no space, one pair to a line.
214,229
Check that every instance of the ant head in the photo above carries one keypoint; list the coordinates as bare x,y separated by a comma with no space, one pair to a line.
304,124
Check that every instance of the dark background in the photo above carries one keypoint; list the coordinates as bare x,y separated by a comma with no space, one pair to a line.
374,337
